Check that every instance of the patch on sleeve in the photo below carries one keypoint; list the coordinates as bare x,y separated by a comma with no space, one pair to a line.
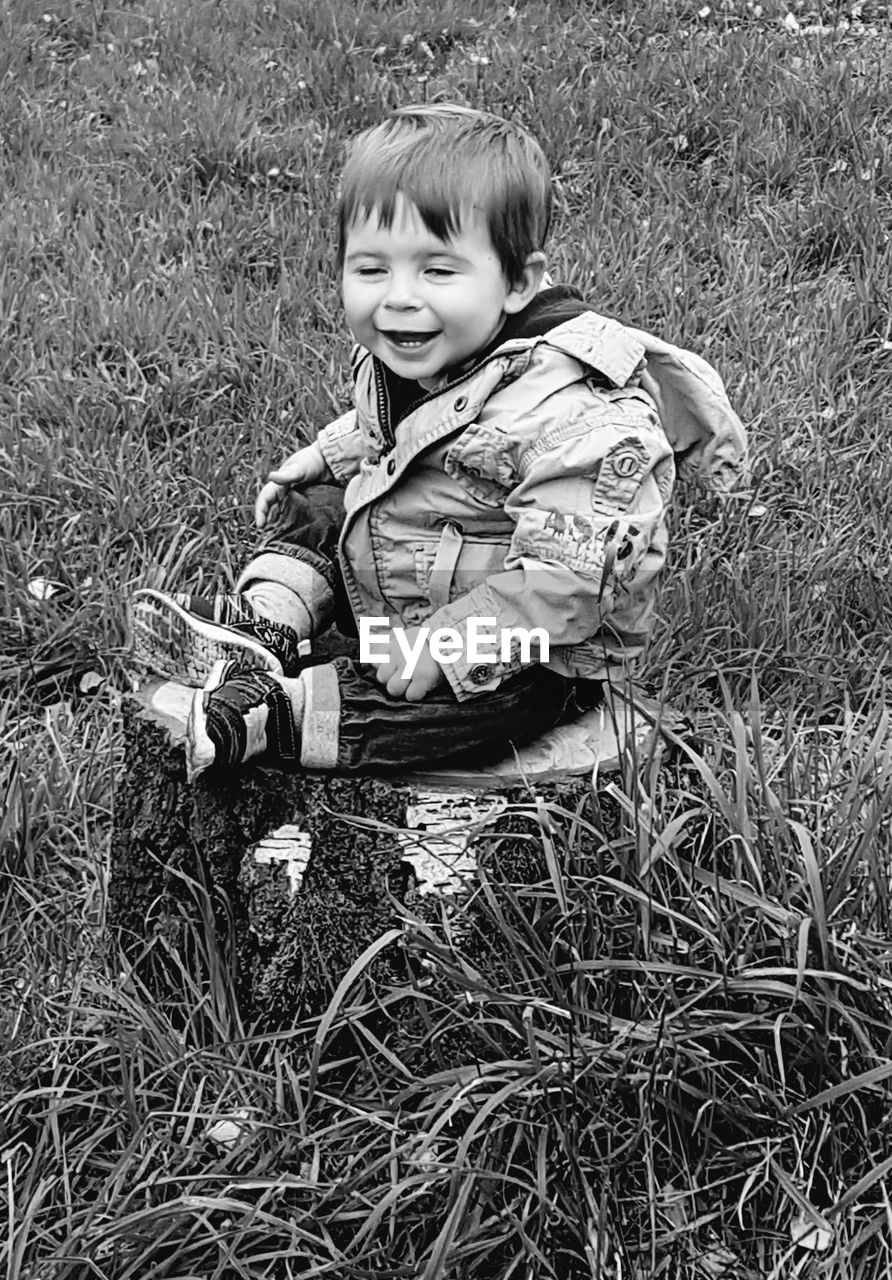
580,542
619,478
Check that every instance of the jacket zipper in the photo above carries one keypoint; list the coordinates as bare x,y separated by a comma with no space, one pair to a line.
383,402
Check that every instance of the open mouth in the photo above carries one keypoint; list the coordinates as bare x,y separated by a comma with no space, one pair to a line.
407,339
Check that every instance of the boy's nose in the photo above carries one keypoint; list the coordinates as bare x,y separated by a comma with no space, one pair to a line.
402,294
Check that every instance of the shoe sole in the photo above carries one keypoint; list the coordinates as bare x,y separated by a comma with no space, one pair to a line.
178,645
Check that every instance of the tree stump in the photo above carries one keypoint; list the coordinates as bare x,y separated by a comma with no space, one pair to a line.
291,876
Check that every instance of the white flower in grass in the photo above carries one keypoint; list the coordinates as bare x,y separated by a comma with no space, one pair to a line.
791,24
226,1133
309,1169
428,1158
811,1232
43,588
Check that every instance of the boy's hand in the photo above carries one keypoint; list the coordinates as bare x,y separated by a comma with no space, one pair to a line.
426,675
307,466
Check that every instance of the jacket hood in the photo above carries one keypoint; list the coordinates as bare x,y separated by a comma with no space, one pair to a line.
706,435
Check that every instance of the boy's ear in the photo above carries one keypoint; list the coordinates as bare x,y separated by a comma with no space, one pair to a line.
525,289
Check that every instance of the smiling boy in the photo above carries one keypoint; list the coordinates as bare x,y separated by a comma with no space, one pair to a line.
508,460
423,304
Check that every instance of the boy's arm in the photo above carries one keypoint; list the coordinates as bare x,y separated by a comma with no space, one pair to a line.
589,513
342,446
305,467
326,459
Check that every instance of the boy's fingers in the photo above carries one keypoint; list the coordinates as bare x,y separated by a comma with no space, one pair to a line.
268,499
397,686
289,473
420,687
262,510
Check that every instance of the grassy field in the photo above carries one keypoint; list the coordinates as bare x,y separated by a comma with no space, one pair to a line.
684,1061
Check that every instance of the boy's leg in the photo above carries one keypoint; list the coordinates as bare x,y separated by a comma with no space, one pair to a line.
351,723
341,718
284,596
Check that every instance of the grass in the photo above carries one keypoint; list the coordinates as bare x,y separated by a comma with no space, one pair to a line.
678,1057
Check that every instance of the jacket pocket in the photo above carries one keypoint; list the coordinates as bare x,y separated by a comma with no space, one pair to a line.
456,563
480,460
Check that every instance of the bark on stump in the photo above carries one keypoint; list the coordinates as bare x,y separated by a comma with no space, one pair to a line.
293,875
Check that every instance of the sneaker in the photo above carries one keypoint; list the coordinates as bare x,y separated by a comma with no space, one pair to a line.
239,715
182,637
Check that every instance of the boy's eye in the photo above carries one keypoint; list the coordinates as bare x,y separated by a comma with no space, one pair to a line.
369,271
440,271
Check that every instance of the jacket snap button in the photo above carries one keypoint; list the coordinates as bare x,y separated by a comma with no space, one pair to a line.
460,403
480,675
391,466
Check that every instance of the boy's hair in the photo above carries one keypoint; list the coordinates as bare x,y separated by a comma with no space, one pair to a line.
449,161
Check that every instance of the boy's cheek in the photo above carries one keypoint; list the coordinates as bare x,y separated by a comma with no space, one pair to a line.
353,309
357,316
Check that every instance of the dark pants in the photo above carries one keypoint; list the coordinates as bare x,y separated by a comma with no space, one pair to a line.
379,732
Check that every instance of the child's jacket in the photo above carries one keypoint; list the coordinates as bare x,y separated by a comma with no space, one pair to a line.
531,490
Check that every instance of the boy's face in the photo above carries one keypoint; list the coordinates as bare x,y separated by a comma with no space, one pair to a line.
419,303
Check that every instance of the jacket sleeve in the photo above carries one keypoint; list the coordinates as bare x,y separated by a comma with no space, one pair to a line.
343,443
589,540
342,446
